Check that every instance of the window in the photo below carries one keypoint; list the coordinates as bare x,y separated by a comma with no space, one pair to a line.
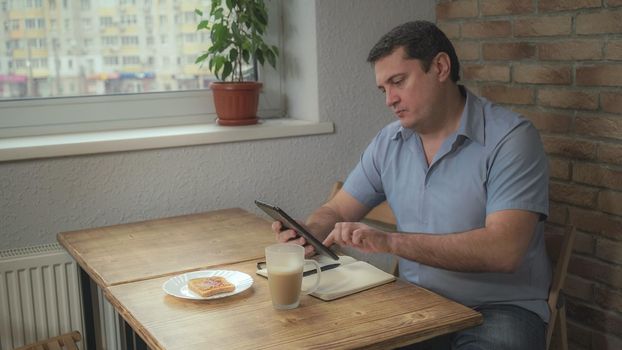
98,77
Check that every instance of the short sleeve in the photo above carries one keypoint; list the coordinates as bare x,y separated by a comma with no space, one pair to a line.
364,182
518,173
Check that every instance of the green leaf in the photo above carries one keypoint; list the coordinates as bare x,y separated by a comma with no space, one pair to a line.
233,54
198,12
201,58
219,61
226,71
259,55
271,58
246,55
215,5
203,25
218,14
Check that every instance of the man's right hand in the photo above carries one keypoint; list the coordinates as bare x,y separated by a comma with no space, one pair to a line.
285,235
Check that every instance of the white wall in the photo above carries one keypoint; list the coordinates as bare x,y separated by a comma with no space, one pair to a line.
39,198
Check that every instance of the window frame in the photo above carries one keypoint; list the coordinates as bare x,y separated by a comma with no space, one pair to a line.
59,115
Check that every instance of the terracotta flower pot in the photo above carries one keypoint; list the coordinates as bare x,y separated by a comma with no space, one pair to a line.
236,103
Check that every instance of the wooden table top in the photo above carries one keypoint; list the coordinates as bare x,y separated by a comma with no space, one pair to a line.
137,251
394,314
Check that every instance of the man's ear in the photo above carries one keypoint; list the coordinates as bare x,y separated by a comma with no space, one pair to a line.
442,66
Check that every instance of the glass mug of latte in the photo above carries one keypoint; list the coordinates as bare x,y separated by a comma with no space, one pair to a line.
285,263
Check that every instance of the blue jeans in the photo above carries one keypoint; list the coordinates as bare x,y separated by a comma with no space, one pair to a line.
505,327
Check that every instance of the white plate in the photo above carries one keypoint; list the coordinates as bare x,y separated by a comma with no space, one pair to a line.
178,285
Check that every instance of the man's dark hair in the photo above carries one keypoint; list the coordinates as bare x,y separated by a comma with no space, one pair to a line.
421,40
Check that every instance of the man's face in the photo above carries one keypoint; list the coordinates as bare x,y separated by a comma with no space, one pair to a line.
409,91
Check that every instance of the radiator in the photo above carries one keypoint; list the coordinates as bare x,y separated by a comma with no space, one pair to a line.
40,298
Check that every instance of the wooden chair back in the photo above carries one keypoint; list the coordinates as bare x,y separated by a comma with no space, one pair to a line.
559,252
381,217
380,214
65,341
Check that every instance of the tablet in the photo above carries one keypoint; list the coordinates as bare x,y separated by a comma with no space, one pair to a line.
279,215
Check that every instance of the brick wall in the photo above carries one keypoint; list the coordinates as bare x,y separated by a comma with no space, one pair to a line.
559,62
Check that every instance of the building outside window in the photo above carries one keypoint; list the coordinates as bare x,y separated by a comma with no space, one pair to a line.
104,48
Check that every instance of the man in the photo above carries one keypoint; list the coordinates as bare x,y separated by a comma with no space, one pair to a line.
467,181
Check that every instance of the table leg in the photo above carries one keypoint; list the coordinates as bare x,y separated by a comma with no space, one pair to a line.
130,340
90,337
140,343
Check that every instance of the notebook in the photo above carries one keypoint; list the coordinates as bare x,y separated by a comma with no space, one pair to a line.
350,277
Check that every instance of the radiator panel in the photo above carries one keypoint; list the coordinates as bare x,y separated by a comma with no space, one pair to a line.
40,298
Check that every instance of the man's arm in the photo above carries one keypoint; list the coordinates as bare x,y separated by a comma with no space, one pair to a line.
342,207
497,247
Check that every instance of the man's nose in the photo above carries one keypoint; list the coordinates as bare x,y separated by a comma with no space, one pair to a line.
391,98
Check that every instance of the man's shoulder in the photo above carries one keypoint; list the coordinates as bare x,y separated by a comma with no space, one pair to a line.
389,132
501,121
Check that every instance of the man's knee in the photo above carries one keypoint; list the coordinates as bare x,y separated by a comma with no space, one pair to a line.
504,327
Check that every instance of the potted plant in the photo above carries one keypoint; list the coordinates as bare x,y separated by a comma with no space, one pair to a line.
236,29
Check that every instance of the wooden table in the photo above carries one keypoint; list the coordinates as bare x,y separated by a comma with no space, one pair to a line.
391,315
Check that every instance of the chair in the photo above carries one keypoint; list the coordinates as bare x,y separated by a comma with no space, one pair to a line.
380,214
64,341
557,305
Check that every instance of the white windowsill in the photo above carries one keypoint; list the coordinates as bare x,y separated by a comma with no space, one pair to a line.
149,138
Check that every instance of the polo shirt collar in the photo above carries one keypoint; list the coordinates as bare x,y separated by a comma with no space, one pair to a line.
471,121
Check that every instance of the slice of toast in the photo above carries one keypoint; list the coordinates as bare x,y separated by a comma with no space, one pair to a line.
208,286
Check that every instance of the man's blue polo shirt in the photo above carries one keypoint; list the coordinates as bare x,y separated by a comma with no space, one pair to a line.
495,161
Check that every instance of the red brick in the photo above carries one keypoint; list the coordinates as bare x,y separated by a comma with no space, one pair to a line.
610,202
489,29
547,121
610,153
561,5
602,341
578,335
584,243
599,125
603,320
473,87
610,251
596,271
456,9
542,74
614,50
600,75
559,168
557,213
543,26
597,175
466,50
505,7
573,194
508,51
603,22
597,222
611,102
451,30
571,50
488,72
569,147
579,288
506,94
568,99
